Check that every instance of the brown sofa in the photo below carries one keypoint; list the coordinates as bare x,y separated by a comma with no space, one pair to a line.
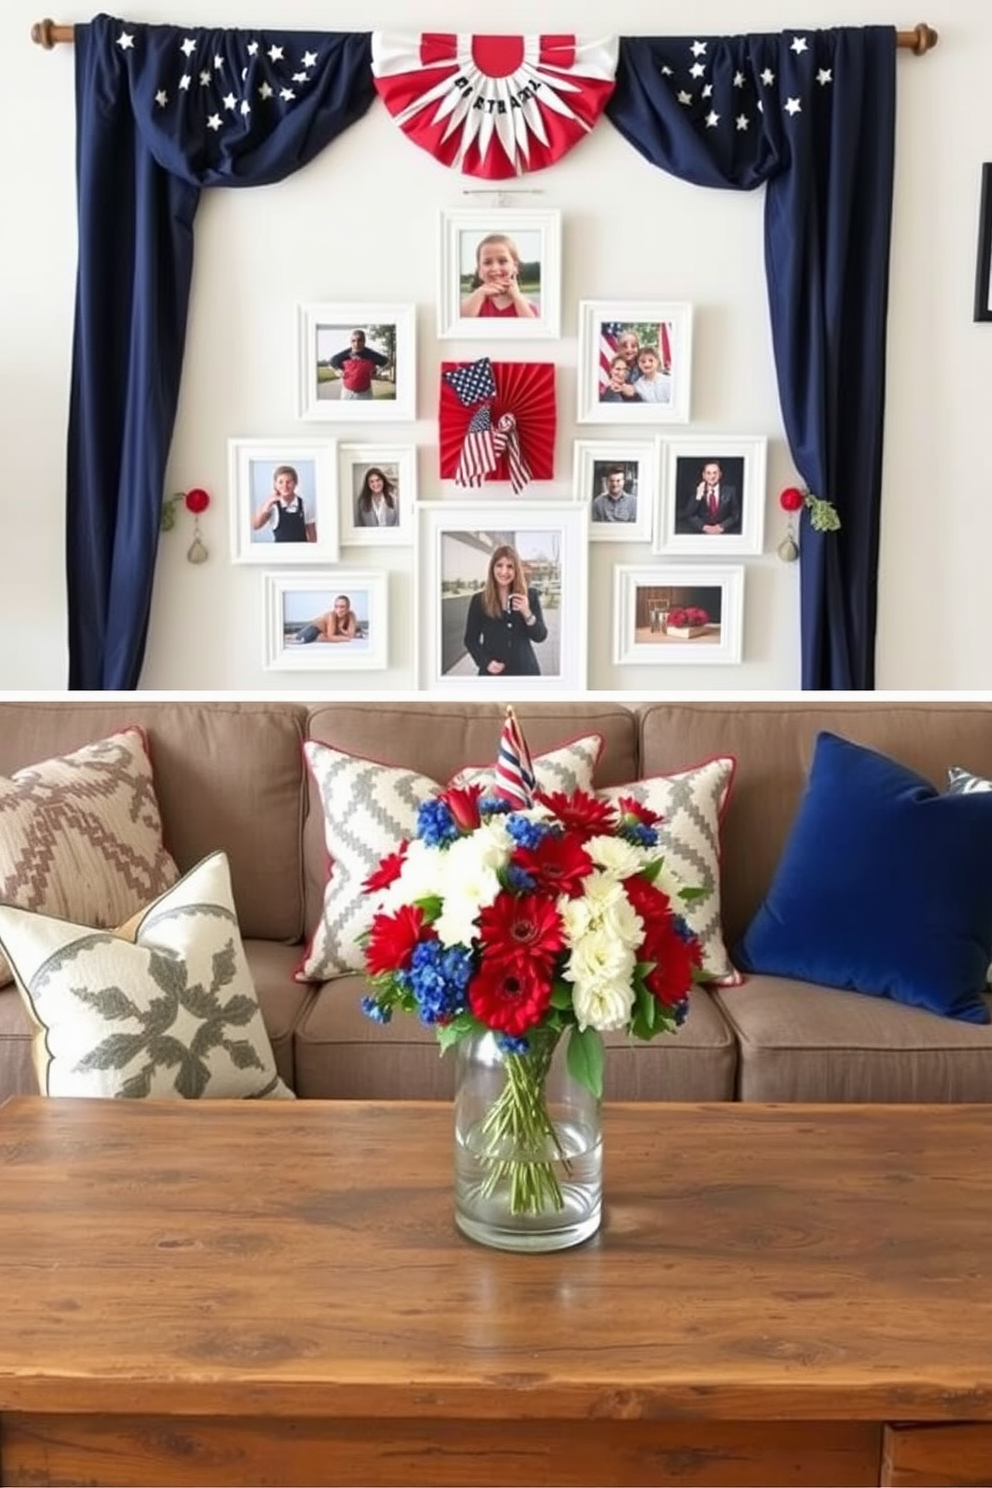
231,775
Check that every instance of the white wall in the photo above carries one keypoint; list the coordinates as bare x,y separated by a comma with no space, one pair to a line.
630,231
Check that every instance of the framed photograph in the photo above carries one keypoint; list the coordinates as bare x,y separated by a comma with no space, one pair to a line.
502,601
283,500
635,362
357,363
500,274
677,613
336,620
983,276
378,489
617,480
712,495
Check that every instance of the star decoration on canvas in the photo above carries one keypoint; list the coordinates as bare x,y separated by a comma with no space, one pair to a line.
724,102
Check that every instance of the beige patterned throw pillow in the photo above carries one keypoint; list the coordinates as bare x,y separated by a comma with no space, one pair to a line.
368,810
692,803
81,835
170,1012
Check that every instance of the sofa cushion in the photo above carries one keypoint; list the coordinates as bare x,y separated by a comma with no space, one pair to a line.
884,887
81,834
691,803
798,1042
340,1054
369,809
170,1012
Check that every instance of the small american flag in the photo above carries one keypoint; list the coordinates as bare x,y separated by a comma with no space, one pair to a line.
609,331
473,382
478,452
515,780
506,441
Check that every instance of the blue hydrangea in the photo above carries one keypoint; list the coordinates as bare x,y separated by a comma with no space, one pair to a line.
639,833
507,1044
681,1011
518,881
438,977
376,1011
493,806
524,831
681,927
435,823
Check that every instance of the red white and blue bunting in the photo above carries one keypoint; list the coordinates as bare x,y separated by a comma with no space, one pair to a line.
494,106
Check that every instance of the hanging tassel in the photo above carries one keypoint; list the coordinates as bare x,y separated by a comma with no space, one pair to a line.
196,500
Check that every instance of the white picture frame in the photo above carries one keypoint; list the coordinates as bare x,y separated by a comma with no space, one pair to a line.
665,326
644,597
737,524
599,466
254,468
534,239
456,543
292,601
396,465
325,337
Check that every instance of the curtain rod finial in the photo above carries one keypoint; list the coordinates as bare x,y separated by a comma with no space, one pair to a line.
41,33
926,39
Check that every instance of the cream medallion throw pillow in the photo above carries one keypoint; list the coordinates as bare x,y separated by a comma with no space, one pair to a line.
171,1012
369,809
81,835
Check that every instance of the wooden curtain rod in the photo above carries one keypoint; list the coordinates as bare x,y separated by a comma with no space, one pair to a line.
48,34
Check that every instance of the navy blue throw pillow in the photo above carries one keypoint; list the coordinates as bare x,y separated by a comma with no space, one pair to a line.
884,887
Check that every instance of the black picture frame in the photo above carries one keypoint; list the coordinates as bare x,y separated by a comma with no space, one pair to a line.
983,273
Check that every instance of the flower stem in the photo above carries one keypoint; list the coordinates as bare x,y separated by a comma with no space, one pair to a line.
518,1130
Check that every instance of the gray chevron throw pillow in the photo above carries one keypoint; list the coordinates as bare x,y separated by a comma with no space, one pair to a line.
369,809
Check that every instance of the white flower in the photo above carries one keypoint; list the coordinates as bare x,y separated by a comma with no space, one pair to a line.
599,956
601,891
469,883
617,856
670,883
577,917
623,921
421,877
603,1004
458,921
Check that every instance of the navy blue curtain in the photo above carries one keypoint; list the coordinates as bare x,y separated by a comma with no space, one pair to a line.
161,112
811,116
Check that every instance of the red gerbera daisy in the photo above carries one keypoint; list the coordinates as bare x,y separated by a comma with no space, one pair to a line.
521,925
511,996
557,864
674,958
388,870
392,939
580,812
650,902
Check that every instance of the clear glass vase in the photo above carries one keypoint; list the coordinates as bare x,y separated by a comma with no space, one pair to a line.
528,1146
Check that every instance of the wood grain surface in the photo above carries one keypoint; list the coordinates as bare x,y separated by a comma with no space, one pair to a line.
247,1260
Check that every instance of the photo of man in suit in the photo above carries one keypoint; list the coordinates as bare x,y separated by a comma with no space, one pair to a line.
710,502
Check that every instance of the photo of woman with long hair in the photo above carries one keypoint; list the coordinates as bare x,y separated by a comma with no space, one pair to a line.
376,504
505,620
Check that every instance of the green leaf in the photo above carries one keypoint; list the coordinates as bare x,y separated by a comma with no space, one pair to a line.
432,906
459,1028
691,894
585,1059
561,995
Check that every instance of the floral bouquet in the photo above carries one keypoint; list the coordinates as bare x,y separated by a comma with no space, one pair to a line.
688,617
532,916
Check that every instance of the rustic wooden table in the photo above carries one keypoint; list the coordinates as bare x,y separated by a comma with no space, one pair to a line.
247,1293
